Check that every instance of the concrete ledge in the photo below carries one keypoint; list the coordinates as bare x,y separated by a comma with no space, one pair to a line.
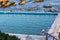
29,13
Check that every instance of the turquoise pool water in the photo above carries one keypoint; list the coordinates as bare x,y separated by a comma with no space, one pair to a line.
25,24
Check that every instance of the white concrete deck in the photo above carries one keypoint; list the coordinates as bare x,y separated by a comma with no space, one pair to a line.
55,26
28,37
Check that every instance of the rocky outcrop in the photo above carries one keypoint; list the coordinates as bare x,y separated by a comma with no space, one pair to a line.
6,3
14,3
39,0
22,2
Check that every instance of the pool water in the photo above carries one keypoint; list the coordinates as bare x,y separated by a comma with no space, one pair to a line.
25,24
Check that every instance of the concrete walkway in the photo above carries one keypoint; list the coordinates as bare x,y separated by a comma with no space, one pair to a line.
28,37
55,26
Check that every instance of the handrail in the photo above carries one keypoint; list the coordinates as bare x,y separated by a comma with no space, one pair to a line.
50,36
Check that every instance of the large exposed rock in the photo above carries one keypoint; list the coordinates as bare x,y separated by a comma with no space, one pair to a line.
39,0
14,3
22,2
6,3
4,0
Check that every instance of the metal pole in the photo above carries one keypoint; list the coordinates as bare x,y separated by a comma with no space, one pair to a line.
46,36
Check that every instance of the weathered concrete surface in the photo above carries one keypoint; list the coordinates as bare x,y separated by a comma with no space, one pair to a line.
55,26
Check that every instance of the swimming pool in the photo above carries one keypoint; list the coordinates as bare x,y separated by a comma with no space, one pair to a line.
25,24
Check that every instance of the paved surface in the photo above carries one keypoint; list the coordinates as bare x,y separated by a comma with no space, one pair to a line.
55,26
29,37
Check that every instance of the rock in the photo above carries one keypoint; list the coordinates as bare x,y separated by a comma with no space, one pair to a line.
23,2
3,0
8,4
0,6
39,0
47,6
14,3
5,3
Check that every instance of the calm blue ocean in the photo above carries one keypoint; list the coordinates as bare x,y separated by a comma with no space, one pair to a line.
25,24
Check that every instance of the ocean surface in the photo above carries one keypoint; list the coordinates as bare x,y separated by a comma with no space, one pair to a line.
31,4
25,24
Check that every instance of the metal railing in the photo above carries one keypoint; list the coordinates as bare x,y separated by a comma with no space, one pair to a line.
48,36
